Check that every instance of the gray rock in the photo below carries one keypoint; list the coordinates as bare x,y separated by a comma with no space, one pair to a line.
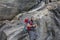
10,8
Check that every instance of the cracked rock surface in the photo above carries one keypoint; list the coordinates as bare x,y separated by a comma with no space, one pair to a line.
48,25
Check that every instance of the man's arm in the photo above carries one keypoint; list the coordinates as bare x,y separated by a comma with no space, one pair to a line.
28,25
35,25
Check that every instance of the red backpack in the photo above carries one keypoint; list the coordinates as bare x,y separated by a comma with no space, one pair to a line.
26,20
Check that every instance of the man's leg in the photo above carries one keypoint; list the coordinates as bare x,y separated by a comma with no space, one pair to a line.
32,35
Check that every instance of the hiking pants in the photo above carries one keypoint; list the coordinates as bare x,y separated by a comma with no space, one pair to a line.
32,35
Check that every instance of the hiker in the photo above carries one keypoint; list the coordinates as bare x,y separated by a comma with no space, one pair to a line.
26,22
31,27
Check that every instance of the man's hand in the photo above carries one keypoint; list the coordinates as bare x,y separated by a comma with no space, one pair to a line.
28,25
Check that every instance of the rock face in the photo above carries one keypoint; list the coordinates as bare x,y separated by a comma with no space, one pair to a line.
56,24
50,25
48,22
7,11
10,8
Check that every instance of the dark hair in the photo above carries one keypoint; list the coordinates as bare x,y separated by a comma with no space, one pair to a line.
32,19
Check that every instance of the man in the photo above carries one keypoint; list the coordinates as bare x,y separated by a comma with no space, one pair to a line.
26,22
31,27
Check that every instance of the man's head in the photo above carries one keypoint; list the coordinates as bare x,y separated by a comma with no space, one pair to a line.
32,18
